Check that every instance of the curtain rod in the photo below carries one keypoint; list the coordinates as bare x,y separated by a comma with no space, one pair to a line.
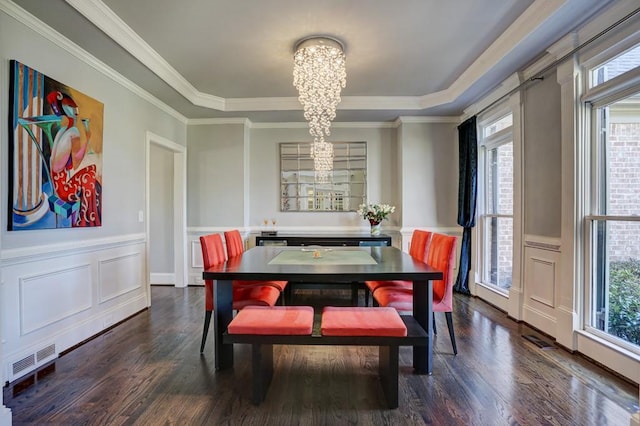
540,74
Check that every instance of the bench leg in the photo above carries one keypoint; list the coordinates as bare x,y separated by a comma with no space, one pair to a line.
388,371
262,366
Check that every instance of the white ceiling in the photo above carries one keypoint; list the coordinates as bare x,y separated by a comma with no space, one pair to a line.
226,58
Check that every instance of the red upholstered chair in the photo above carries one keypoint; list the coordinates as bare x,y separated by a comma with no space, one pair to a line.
442,257
235,243
256,295
235,247
417,250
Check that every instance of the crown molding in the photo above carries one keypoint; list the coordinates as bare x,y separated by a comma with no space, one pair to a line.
381,102
495,96
209,121
290,125
535,15
334,125
426,119
105,19
614,11
39,27
262,104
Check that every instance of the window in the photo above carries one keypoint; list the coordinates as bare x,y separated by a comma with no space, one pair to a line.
615,67
347,185
613,219
496,202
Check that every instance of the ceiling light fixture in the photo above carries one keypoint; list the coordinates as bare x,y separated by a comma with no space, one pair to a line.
319,75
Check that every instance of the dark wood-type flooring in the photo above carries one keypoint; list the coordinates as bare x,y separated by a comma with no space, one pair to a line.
148,371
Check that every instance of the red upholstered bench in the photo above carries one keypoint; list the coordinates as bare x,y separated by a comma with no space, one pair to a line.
380,322
357,321
265,326
283,320
265,321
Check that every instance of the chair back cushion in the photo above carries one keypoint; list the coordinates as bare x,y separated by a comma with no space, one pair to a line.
442,257
235,244
418,245
212,254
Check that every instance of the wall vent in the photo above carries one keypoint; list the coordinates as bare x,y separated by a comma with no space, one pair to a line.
46,352
24,363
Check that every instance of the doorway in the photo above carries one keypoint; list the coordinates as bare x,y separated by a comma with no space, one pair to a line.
176,155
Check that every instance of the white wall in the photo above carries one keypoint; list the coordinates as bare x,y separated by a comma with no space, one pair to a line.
429,174
161,257
216,175
542,158
221,164
62,286
265,175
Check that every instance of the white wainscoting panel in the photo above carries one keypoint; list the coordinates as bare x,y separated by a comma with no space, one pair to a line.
543,271
541,286
52,296
196,254
195,261
58,295
119,275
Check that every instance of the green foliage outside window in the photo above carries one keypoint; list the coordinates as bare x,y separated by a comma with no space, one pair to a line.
624,300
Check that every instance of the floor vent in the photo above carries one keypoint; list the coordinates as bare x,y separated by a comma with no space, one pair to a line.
23,364
46,352
539,342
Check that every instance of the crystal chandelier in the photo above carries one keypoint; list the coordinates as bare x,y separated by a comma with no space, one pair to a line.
322,154
319,75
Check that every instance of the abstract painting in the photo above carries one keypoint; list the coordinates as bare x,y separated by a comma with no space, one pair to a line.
55,153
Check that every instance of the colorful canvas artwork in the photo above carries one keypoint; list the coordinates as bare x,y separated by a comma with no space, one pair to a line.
55,153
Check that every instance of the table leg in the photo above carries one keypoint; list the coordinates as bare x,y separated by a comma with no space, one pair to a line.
423,313
222,316
354,293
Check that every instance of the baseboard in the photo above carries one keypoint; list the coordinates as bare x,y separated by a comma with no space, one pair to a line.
5,416
162,278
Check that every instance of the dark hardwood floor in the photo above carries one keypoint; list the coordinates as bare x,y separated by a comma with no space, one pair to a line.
148,371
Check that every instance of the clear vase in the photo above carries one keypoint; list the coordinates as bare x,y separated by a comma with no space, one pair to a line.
375,228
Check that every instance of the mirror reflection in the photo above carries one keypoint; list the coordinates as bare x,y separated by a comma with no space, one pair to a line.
347,185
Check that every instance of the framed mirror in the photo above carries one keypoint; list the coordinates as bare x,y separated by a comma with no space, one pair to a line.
345,189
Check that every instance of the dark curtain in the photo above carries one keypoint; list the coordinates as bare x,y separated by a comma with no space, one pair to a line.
467,191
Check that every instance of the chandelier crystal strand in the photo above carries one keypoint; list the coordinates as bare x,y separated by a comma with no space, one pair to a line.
319,75
322,154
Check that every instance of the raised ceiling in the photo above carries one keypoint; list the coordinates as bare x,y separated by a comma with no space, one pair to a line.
233,58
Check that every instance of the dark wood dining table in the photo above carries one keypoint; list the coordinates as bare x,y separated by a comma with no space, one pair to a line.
269,263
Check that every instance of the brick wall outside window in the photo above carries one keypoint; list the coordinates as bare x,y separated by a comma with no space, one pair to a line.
505,205
624,189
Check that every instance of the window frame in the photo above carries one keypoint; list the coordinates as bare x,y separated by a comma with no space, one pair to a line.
485,144
598,98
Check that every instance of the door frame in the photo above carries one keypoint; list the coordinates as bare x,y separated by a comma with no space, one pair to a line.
179,207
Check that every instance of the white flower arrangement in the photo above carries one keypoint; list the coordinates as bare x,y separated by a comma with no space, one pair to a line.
375,213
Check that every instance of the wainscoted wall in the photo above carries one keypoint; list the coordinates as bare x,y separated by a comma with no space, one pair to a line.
541,282
58,295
